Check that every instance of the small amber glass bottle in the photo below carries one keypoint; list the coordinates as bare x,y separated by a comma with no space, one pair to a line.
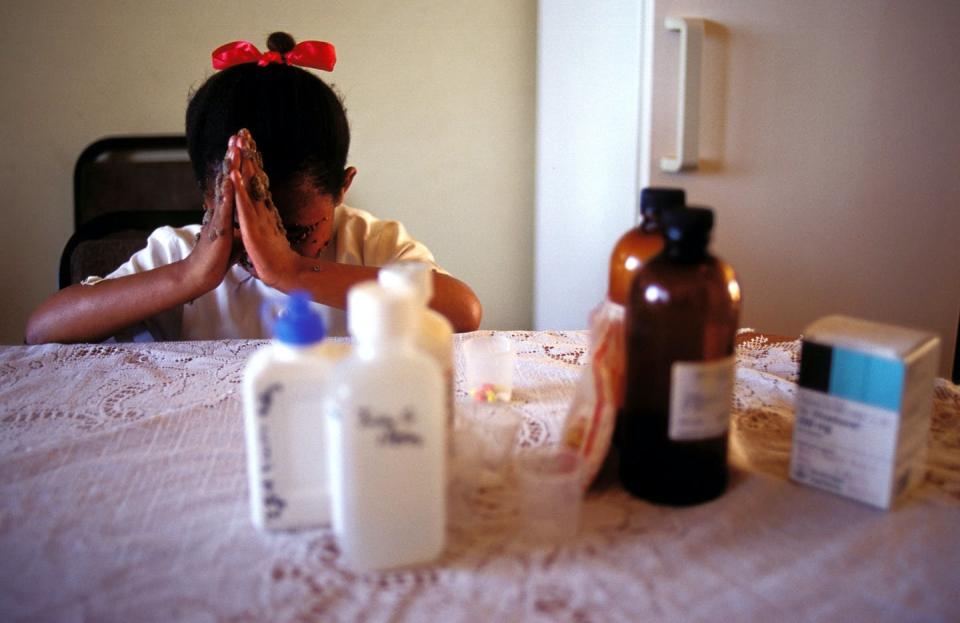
681,319
642,242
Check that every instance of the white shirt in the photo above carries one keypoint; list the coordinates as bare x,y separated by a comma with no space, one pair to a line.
243,306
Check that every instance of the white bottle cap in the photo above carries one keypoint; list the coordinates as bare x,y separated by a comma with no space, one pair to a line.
409,275
375,313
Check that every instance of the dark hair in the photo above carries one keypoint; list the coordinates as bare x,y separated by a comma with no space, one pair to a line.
296,119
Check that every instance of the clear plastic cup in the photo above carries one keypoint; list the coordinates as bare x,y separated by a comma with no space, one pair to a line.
488,367
484,439
549,480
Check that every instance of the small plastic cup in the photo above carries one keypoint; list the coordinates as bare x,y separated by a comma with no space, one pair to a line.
484,439
488,368
551,495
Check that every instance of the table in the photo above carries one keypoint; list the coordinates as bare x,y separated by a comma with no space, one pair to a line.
124,499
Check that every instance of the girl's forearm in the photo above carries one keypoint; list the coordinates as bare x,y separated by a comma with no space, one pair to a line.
457,301
93,313
328,283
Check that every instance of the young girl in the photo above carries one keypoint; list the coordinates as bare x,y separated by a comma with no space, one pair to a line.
275,219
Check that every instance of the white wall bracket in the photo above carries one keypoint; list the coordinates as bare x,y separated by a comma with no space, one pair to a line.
688,94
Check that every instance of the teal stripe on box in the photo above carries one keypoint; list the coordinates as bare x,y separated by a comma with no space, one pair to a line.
871,380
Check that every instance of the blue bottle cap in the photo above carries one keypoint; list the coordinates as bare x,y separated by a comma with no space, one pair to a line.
298,324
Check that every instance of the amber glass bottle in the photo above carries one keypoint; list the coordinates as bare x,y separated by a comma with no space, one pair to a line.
681,317
642,242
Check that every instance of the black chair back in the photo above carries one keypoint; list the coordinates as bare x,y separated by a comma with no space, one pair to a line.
124,187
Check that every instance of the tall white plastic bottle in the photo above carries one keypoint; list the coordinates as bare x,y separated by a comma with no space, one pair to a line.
435,333
283,389
386,434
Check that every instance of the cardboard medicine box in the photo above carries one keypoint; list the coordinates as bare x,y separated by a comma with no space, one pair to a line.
863,408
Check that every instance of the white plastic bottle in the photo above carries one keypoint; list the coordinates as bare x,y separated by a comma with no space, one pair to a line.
283,388
435,333
386,435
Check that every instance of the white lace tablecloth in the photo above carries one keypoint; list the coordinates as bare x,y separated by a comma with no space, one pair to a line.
123,498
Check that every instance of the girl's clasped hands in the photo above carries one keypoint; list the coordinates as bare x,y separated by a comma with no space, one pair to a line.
244,225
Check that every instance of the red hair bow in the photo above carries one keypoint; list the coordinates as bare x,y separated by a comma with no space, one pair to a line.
315,54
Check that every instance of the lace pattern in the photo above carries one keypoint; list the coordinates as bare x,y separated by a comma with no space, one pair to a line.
124,498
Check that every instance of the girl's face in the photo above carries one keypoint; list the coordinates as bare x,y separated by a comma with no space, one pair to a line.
307,215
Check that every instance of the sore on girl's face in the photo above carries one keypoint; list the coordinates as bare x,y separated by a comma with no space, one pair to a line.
307,215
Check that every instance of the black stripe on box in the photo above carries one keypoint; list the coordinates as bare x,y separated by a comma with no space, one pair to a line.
815,366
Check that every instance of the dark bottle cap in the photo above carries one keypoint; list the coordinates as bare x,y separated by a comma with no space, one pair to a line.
690,223
655,199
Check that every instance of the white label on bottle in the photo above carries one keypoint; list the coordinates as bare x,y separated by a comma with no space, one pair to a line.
700,398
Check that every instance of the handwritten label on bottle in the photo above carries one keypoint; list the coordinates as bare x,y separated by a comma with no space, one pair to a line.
700,397
267,399
394,430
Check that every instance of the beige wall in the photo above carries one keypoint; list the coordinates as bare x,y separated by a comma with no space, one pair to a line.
830,150
830,146
440,97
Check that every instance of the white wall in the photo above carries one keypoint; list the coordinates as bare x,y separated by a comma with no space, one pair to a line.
588,93
440,97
